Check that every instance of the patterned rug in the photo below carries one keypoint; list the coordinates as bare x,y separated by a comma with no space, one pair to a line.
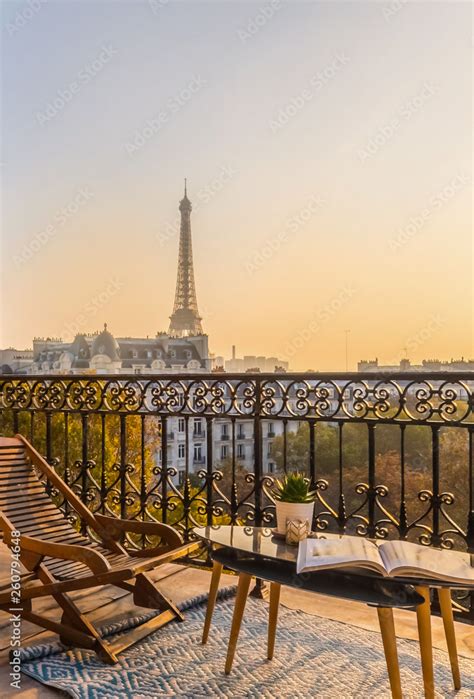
314,657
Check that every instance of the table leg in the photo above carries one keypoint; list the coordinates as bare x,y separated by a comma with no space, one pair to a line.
211,602
240,600
444,596
389,640
423,617
273,617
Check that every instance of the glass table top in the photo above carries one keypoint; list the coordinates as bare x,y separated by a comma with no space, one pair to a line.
260,545
260,541
254,540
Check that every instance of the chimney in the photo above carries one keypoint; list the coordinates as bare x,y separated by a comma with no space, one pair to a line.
233,351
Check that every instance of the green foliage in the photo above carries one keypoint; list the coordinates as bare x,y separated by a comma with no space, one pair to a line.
354,447
239,475
293,487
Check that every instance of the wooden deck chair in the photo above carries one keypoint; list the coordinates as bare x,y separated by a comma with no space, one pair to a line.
60,560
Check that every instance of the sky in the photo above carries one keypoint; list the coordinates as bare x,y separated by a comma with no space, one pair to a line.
327,147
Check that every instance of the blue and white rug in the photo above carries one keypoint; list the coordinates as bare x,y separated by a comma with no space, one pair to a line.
314,657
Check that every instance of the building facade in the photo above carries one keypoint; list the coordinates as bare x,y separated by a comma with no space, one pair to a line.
14,361
250,362
102,353
428,365
187,444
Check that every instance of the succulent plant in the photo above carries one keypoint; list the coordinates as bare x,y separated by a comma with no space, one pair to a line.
293,487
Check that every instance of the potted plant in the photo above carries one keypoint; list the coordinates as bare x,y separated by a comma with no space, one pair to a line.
293,499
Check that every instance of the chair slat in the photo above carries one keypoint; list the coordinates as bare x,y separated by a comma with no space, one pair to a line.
37,518
38,503
26,504
32,492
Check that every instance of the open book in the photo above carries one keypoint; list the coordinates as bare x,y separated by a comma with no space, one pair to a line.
391,559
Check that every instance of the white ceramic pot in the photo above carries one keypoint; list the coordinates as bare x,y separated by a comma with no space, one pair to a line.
293,510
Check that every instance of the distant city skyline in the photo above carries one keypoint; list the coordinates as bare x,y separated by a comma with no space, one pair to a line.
328,153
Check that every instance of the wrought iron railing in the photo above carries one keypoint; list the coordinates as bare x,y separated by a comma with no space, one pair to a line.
391,455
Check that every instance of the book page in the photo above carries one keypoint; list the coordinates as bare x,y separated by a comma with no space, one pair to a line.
403,558
338,552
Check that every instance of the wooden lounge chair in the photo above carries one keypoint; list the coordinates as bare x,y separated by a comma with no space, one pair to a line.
59,559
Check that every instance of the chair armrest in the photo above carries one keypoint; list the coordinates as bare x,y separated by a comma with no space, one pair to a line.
175,553
114,527
69,552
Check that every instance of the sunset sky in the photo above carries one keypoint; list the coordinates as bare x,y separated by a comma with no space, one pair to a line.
327,147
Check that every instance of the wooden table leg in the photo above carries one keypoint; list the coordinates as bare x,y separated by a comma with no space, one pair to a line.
387,629
423,617
211,602
273,617
240,600
444,596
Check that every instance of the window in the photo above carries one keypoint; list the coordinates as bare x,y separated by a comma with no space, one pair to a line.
240,451
181,451
137,371
240,431
181,477
271,467
271,429
269,449
197,427
181,424
224,451
225,430
198,452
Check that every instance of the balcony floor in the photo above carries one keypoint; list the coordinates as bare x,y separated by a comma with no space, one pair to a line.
181,583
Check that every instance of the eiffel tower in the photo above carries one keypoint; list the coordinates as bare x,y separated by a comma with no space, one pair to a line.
185,319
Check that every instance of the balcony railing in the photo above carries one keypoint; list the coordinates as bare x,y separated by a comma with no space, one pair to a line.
390,455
